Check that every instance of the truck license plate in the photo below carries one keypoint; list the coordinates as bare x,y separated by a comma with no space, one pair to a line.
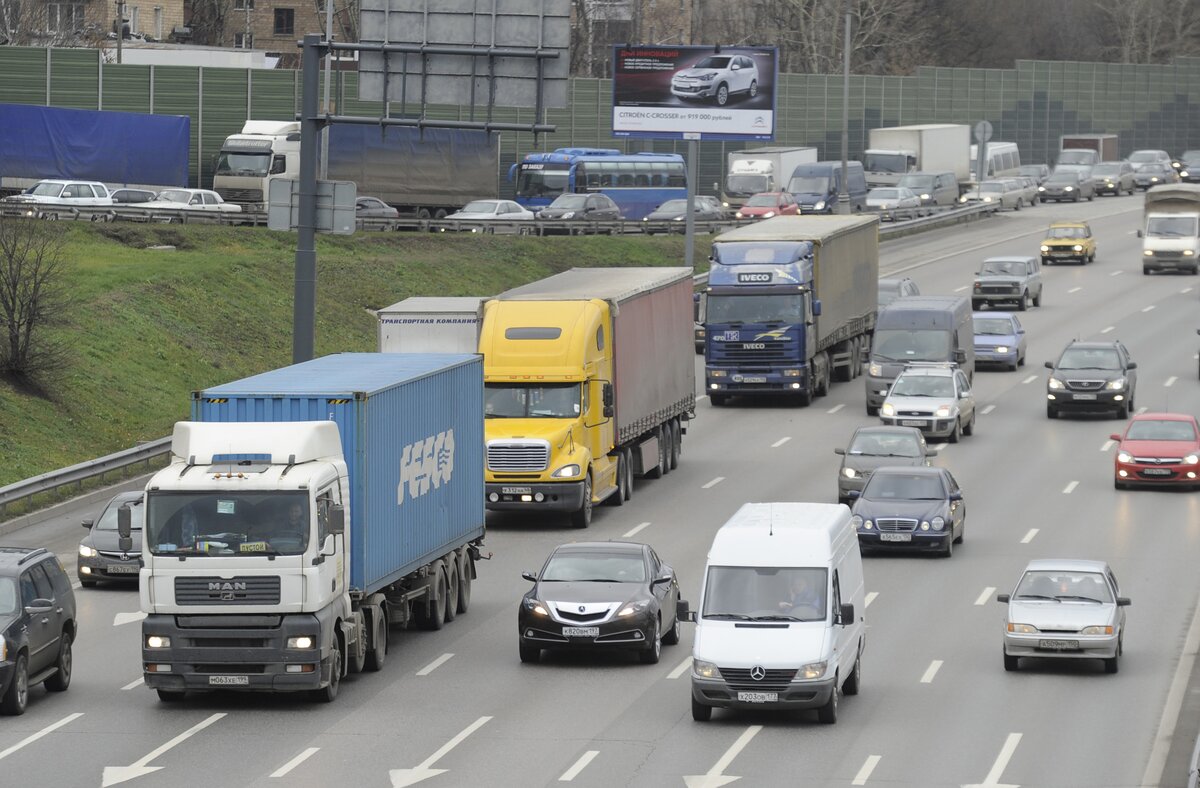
122,569
581,632
1085,396
895,537
754,379
758,697
1058,645
235,681
516,490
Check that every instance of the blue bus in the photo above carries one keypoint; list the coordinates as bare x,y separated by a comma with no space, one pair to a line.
637,182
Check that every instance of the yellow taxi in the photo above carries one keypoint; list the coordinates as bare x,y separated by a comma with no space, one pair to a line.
1069,241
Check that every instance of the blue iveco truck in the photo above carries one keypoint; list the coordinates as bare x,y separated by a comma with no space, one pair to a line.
790,306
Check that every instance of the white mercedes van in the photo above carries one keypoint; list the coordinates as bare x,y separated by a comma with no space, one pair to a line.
780,622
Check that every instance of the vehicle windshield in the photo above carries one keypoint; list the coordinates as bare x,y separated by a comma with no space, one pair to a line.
480,206
46,189
1171,226
885,162
1106,169
1002,268
570,202
517,401
766,593
1066,232
899,344
1139,156
746,184
1078,156
1086,587
940,386
8,596
809,184
227,523
250,165
993,327
763,201
918,183
885,444
904,486
991,186
1153,167
173,195
888,294
1161,430
1068,177
1190,155
1089,358
580,566
713,62
780,308
884,194
541,180
674,206
1032,170
108,520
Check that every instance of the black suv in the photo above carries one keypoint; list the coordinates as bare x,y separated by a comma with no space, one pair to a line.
1092,377
37,625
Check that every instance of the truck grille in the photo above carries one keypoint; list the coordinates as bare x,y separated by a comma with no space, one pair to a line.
242,196
776,679
518,456
248,590
896,524
756,351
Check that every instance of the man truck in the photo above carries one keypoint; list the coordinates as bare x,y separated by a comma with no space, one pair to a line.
894,151
757,170
589,380
1171,234
790,306
304,511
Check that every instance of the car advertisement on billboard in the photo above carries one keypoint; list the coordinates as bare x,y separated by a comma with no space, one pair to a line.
695,92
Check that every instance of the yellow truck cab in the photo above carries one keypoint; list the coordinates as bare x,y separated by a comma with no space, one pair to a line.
1068,241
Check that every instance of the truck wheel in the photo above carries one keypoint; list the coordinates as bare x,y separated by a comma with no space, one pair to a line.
628,454
700,712
329,692
822,389
622,494
431,615
828,713
452,589
667,442
377,653
676,443
583,517
804,397
464,582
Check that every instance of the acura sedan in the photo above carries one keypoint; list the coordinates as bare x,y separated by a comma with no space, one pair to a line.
600,596
100,556
1161,449
910,508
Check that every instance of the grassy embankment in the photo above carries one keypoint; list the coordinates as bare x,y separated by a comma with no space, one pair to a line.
147,327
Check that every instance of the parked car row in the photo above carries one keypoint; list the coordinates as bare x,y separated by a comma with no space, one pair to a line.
53,199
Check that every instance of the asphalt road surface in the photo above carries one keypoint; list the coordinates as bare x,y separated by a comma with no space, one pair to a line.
457,708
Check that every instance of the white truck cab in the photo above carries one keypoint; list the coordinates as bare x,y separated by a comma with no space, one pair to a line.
249,161
1171,235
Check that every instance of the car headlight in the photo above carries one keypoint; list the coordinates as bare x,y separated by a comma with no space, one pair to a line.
708,77
3,649
768,214
1002,348
677,219
963,198
1096,630
1124,456
87,552
888,409
942,412
1022,629
535,607
1148,253
924,196
813,670
868,525
987,199
303,641
1045,248
1154,179
1077,248
1041,188
1068,188
1114,385
724,205
1183,173
1188,253
635,607
820,206
567,215
938,523
566,472
705,670
645,218
158,641
874,370
1191,459
849,473
739,215
1055,383
856,521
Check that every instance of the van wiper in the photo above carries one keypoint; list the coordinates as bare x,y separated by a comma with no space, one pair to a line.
736,616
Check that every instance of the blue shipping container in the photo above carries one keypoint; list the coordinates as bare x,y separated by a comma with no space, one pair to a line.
412,436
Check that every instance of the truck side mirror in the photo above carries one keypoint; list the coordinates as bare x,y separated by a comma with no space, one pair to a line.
846,614
607,398
684,612
337,519
1139,233
816,307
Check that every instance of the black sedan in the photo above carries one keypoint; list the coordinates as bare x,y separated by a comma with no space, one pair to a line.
581,208
707,209
600,596
910,508
100,557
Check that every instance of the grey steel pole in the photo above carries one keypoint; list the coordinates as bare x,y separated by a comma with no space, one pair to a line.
120,26
305,306
689,221
844,191
325,108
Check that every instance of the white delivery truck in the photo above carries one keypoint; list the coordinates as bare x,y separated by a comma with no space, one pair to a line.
431,324
932,147
756,170
1171,236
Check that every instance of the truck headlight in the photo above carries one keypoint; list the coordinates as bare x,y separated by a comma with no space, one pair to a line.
1054,383
87,552
813,670
888,409
1188,253
874,370
1022,629
791,373
705,670
566,472
849,473
820,206
158,641
1114,385
716,373
303,641
1096,630
942,412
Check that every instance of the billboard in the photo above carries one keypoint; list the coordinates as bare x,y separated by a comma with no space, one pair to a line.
695,92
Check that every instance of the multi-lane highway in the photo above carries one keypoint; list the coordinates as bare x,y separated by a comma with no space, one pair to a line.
457,708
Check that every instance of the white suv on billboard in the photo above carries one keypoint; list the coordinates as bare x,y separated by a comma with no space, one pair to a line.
717,77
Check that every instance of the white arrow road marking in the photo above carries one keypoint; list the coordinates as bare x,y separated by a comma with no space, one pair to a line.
680,669
983,598
1027,538
1029,379
836,408
127,618
135,683
294,762
780,442
44,731
1170,381
870,598
432,666
931,671
120,774
1106,329
1074,289
987,410
580,765
404,777
1070,488
714,778
634,530
713,483
1006,752
1107,445
864,773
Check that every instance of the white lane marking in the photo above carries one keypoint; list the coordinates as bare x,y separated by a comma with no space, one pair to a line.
1029,379
715,776
634,530
76,585
931,671
127,618
432,666
1107,329
423,770
987,410
780,442
864,773
1006,752
713,483
1170,381
44,731
836,408
702,396
119,774
1028,537
1186,290
1070,488
983,598
1141,410
960,289
1149,308
680,669
1116,273
1170,715
1107,445
294,762
1074,289
135,683
573,772
870,598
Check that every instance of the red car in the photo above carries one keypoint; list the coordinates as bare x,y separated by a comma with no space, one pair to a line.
767,204
1158,448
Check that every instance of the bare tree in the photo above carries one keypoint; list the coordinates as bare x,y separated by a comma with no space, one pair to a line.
26,23
886,36
33,297
213,22
1151,31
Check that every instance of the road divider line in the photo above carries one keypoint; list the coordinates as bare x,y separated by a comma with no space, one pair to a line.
870,598
864,773
634,530
983,598
1106,329
294,762
931,671
135,683
1186,290
1141,410
702,396
579,765
987,410
1070,488
1116,273
432,666
43,732
1074,289
1106,445
1028,537
681,668
781,441
960,289
1149,308
1029,379
836,408
1170,381
1006,753
76,585
713,483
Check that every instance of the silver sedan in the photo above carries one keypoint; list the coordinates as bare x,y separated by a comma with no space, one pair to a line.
1065,609
894,202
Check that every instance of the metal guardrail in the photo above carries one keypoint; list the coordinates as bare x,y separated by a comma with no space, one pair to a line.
1194,766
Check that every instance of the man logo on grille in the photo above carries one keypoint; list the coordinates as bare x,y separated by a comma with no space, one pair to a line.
758,673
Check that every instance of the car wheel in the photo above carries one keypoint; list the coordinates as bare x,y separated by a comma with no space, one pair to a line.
1010,662
1051,413
1091,197
718,400
583,517
1145,270
1023,304
87,583
828,713
700,712
970,428
976,305
854,680
722,95
1037,299
62,675
1113,664
1120,485
962,531
948,550
529,654
872,411
17,697
1076,198
652,653
753,88
1017,207
672,636
956,433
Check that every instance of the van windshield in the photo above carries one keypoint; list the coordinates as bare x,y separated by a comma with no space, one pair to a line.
898,344
1171,226
766,593
809,184
885,162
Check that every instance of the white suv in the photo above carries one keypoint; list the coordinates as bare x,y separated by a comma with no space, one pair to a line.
45,196
717,77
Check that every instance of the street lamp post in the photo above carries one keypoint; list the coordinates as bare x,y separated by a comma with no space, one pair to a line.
843,192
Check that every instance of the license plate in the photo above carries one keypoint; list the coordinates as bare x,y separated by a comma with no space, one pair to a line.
581,632
912,423
758,697
1157,471
122,569
1085,396
1058,645
516,490
895,537
754,379
236,681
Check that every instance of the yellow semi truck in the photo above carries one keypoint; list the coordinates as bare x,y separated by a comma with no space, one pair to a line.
589,382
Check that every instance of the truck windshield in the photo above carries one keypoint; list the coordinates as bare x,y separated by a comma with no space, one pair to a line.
809,184
744,185
227,523
1081,156
1171,226
766,593
918,183
252,165
778,308
900,344
540,181
517,401
885,162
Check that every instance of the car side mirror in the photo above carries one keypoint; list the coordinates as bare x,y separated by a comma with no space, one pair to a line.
840,451
1132,365
1139,234
664,577
329,546
39,606
955,496
337,519
854,494
932,452
1002,598
1124,601
846,614
683,611
1114,437
530,576
1049,365
87,524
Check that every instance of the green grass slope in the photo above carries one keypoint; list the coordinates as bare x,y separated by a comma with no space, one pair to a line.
146,327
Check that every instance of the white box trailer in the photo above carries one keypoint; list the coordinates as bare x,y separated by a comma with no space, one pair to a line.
895,151
431,324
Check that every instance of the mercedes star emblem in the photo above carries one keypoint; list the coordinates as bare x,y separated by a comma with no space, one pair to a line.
758,673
